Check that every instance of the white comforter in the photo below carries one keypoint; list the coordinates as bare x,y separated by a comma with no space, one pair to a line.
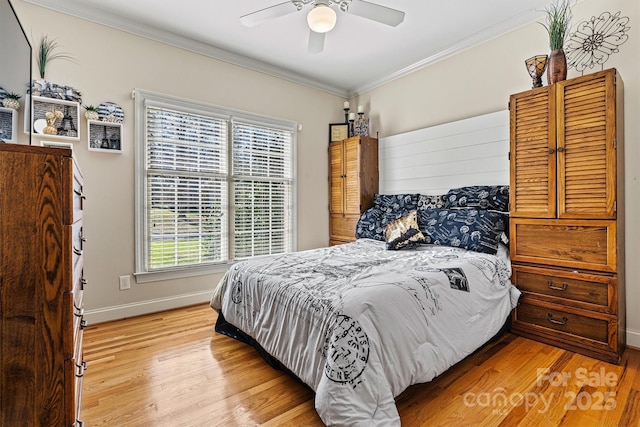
359,323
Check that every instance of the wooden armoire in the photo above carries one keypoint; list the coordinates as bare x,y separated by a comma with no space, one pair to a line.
41,285
353,181
567,214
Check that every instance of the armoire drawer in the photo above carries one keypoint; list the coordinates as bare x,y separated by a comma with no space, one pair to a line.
577,289
343,227
573,324
582,244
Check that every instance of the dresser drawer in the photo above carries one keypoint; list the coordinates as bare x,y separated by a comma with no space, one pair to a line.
571,323
581,290
77,246
78,290
74,374
78,193
343,227
72,323
582,244
73,191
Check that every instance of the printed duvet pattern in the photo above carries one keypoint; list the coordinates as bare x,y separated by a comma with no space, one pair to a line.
359,323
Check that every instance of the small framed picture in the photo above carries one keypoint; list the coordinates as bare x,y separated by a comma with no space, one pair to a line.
338,131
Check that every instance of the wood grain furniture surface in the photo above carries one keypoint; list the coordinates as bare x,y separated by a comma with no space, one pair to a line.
41,285
567,214
353,181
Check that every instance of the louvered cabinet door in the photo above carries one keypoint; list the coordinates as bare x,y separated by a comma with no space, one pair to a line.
336,178
352,183
533,153
586,146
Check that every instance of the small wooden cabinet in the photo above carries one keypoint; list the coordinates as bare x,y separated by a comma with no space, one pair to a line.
41,286
567,214
353,181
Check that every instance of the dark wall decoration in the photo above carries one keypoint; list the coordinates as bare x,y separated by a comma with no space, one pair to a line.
595,40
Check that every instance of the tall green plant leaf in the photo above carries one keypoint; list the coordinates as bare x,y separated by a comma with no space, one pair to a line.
47,52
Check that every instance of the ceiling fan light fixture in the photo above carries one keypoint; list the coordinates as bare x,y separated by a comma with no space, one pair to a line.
321,18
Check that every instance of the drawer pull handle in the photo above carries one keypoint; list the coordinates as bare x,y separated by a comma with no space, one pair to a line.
556,322
557,288
81,368
551,151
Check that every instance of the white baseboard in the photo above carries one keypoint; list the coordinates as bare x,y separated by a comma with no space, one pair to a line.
144,307
633,339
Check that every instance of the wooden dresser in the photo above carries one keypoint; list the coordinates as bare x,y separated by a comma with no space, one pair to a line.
353,181
41,283
567,214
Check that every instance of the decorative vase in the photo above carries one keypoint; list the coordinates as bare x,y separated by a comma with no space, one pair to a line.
361,126
91,115
536,66
12,103
50,130
556,66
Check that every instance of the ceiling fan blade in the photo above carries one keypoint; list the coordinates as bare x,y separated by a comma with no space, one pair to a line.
376,12
267,14
316,42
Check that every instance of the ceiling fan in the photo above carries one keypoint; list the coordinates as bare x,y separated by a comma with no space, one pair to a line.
322,18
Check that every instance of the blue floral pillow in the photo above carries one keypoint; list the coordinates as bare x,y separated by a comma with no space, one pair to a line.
386,208
473,229
395,203
370,225
489,197
426,201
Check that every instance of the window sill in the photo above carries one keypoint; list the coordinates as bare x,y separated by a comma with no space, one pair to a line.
180,273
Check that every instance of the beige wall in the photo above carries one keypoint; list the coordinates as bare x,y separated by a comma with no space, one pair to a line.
480,81
108,65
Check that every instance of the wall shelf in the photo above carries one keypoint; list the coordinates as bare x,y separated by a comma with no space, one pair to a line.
8,124
68,127
104,136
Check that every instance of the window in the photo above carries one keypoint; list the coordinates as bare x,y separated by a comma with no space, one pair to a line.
212,186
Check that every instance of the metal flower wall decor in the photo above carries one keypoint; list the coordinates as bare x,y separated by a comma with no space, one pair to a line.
595,40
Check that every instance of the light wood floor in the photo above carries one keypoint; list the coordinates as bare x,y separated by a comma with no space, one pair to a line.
172,369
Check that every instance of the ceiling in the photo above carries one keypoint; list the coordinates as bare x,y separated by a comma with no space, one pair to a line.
359,54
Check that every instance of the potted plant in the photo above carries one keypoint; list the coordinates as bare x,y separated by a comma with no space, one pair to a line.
46,53
11,100
91,112
558,21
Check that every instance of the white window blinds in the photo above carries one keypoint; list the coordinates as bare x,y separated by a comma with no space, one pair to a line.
186,188
262,181
214,186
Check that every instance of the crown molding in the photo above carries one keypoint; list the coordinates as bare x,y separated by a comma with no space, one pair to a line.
483,36
136,28
467,43
172,39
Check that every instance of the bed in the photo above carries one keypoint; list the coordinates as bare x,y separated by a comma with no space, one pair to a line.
425,285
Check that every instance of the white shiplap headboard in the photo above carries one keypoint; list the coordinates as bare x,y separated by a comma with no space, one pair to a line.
432,160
